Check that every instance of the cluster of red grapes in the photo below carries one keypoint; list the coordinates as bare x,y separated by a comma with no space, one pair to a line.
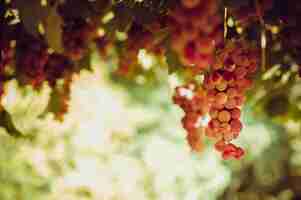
196,30
63,95
60,67
6,57
138,38
76,37
221,95
35,65
32,61
57,67
6,54
103,45
192,98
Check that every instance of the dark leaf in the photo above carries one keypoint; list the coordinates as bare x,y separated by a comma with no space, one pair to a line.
85,62
7,123
54,104
236,3
123,18
31,13
173,61
73,9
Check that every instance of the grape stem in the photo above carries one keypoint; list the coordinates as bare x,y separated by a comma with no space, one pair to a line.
262,35
225,23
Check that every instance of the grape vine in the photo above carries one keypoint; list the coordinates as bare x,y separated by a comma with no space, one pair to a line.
53,44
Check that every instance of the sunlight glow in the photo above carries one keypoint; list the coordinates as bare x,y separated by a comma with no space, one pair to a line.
145,59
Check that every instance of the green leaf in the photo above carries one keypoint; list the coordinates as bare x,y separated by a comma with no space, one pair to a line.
54,104
53,30
173,61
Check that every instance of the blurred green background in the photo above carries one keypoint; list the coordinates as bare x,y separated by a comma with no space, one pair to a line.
123,140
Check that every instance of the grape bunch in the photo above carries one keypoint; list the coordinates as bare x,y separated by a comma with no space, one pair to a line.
196,30
76,37
104,44
138,38
31,61
6,54
226,85
221,96
57,67
192,98
63,96
6,57
35,64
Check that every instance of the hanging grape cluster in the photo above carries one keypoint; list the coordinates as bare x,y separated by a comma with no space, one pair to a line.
196,29
32,61
76,36
192,98
6,53
221,95
138,38
6,57
227,84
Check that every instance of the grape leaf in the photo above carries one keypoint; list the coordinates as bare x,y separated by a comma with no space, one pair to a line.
53,30
173,61
6,122
54,104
